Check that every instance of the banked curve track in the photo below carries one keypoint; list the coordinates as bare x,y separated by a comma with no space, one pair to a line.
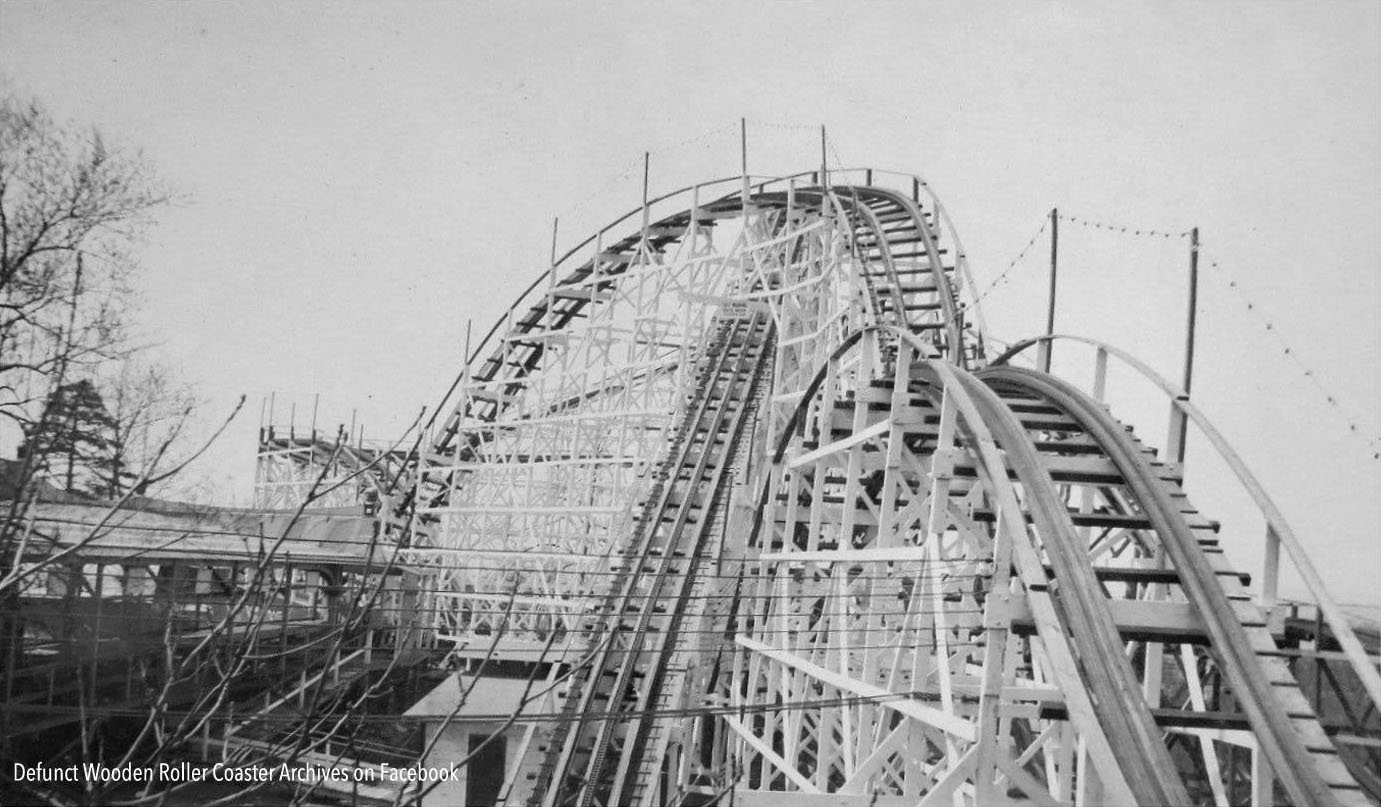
738,477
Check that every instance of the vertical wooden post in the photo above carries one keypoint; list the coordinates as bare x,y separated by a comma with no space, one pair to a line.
465,370
824,168
286,593
1043,353
598,264
552,263
99,591
743,157
1318,661
1100,374
1270,572
1191,320
1179,421
1191,316
647,162
694,227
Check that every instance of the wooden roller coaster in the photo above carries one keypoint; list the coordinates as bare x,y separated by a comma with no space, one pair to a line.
738,504
788,532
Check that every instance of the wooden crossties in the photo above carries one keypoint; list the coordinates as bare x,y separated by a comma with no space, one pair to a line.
902,575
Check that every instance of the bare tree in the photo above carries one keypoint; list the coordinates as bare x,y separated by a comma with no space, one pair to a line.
100,423
147,409
72,208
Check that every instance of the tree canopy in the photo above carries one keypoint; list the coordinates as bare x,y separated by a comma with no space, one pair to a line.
73,209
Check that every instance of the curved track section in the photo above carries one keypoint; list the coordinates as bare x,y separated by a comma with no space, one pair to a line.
552,436
1277,711
736,470
310,470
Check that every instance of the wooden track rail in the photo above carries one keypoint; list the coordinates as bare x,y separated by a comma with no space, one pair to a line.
636,637
924,577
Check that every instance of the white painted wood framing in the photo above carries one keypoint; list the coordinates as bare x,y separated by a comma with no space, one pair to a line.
881,612
899,636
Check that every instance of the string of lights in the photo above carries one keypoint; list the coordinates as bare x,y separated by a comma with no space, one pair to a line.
1351,421
784,125
1330,397
1146,232
1012,264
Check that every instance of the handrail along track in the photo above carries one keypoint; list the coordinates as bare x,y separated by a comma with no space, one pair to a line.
1047,444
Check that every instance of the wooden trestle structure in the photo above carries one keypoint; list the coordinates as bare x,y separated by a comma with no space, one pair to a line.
743,468
742,472
742,490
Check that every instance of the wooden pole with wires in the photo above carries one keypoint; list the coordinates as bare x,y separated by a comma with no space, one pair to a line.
1191,316
1043,353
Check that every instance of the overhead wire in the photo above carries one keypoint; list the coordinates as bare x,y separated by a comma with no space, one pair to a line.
1011,264
1351,421
498,717
1346,413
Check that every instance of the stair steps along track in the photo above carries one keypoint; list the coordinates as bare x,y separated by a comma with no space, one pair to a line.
884,655
564,293
599,755
1347,707
666,762
598,630
925,609
663,764
896,615
1231,629
517,497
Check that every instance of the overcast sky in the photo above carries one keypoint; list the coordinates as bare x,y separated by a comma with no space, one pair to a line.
360,179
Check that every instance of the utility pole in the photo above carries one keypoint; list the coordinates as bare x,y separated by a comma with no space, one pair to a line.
1043,353
1179,421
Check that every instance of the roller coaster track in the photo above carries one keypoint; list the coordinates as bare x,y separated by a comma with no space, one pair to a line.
744,452
886,227
1281,718
294,469
649,597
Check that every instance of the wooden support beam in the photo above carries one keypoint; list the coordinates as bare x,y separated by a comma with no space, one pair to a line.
949,723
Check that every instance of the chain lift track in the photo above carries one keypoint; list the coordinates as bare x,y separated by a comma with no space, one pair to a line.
648,599
743,459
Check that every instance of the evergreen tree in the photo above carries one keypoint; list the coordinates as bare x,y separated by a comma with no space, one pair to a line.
70,445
